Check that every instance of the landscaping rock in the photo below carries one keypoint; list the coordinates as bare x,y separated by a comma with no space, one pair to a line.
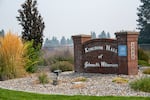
96,85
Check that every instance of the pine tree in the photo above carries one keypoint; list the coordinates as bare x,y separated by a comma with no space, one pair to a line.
63,41
31,22
144,22
69,41
55,41
2,33
93,34
108,35
102,35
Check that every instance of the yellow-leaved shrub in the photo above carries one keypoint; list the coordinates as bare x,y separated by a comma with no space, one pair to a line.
12,59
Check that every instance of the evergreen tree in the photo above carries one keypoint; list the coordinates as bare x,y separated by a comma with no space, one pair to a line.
47,43
108,35
2,33
31,22
93,34
55,41
69,41
63,41
102,35
144,21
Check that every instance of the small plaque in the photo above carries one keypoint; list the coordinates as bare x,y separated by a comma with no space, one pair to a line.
122,50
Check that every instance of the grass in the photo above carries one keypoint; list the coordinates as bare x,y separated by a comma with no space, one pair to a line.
17,95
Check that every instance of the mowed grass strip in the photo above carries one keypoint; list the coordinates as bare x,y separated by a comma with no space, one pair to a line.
18,95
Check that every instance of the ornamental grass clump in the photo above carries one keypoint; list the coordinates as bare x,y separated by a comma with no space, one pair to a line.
12,58
142,84
43,78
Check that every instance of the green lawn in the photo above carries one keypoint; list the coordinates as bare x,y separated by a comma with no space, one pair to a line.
17,95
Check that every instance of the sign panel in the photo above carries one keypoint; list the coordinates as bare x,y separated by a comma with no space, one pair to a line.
122,50
100,54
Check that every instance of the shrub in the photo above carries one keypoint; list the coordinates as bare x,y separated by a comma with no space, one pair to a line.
62,65
146,71
120,80
142,84
142,55
12,58
62,58
54,59
33,55
57,54
143,63
43,78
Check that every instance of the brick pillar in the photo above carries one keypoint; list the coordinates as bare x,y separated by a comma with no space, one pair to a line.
127,52
78,40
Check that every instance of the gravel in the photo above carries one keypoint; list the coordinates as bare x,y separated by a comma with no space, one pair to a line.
96,85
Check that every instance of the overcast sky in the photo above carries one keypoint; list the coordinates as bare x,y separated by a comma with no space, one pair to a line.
73,17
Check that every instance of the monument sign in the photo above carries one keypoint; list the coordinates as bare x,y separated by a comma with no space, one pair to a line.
107,56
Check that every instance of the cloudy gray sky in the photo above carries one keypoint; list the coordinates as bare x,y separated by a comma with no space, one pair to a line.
73,17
